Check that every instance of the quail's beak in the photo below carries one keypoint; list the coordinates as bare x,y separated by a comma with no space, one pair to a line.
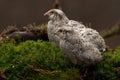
46,14
55,33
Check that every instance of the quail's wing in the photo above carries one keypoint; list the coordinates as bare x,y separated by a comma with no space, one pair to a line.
92,36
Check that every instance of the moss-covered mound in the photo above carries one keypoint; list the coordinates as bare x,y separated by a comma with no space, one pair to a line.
41,60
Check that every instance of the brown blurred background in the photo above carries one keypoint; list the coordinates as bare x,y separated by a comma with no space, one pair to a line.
102,14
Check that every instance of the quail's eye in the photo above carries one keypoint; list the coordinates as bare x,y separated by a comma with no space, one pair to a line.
52,12
60,30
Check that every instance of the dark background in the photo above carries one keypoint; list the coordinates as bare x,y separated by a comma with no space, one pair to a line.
102,14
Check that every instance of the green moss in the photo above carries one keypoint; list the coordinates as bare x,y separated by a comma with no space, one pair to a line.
41,60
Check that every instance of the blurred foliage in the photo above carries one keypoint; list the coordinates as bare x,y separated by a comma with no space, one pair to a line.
28,32
115,30
42,60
